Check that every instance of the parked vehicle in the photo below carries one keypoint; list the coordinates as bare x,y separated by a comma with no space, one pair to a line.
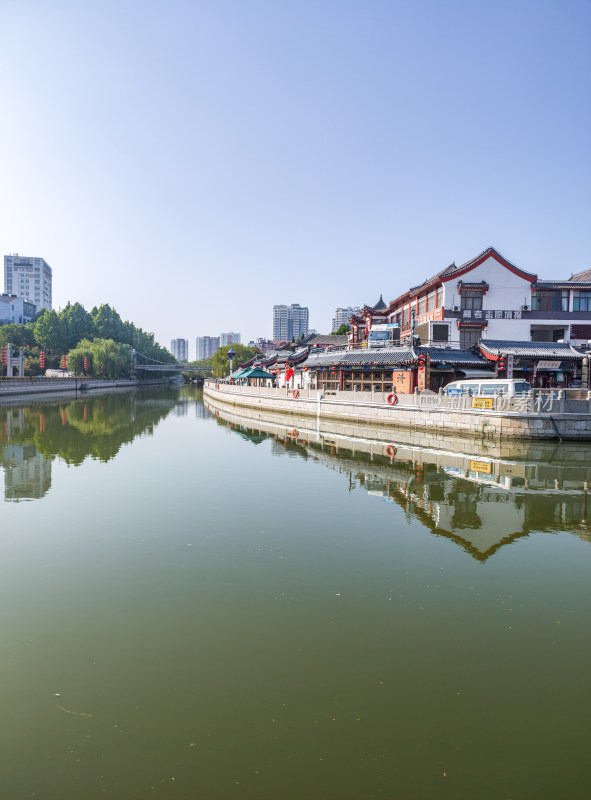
488,387
58,373
383,336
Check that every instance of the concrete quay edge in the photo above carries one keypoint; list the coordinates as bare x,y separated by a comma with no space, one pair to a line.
470,423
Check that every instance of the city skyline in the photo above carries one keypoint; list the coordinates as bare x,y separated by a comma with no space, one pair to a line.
290,322
242,150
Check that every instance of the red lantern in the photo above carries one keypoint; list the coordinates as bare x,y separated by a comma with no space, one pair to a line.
421,362
502,364
63,362
4,356
42,360
85,363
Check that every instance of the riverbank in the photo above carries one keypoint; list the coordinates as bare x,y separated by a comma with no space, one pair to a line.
25,387
539,416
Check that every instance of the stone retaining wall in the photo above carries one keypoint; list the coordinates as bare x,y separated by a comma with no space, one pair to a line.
22,387
374,410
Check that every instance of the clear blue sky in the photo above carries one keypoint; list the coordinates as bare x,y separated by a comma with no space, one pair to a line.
193,163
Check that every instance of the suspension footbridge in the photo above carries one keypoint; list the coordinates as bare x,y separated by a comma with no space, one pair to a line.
143,363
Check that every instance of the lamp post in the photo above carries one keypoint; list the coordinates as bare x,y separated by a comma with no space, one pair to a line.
231,355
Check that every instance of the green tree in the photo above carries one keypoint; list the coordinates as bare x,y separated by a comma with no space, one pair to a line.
50,333
78,324
17,335
106,358
342,329
221,363
108,323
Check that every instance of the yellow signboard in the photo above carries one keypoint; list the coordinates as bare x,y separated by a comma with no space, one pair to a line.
481,466
482,402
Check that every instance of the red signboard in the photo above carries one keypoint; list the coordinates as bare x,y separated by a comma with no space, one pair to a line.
401,381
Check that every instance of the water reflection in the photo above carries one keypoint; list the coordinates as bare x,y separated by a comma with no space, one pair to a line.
32,436
479,502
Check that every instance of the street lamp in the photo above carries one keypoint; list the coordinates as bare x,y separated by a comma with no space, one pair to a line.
231,355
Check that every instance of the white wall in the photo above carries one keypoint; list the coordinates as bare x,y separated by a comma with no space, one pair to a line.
507,292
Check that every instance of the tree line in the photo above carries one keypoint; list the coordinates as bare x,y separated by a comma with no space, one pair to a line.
220,361
99,335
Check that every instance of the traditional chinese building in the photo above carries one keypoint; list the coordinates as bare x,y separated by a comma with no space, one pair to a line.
543,364
486,297
399,369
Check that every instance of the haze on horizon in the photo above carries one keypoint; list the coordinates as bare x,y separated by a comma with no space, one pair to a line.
194,163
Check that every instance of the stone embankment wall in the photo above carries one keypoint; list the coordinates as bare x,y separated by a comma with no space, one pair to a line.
542,464
11,387
452,416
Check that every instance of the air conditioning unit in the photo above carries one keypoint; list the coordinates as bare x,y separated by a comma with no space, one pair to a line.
456,308
525,308
433,333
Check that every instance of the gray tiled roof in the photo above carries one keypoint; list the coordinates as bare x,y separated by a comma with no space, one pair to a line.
453,268
582,276
402,355
325,338
551,350
569,284
380,305
396,356
444,355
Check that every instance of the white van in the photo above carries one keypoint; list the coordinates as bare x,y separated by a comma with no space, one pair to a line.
488,387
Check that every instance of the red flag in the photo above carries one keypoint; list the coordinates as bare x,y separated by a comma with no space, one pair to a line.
288,373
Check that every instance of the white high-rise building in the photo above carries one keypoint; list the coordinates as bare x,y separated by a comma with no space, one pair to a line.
341,317
29,278
180,349
281,323
206,346
290,322
229,338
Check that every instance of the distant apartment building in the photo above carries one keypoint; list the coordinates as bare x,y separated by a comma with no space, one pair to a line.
289,322
206,346
180,349
29,278
261,344
229,338
16,309
341,317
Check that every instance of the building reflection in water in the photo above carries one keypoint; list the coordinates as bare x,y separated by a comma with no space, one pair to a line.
479,502
74,430
27,473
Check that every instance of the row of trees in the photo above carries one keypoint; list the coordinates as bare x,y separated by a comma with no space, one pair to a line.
220,362
100,335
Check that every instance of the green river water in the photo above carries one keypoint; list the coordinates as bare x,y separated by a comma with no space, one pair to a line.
198,606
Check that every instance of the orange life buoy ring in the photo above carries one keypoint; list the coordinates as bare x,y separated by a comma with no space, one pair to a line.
294,433
392,399
295,393
391,451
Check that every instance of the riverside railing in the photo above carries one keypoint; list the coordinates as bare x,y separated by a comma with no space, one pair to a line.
38,381
535,402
